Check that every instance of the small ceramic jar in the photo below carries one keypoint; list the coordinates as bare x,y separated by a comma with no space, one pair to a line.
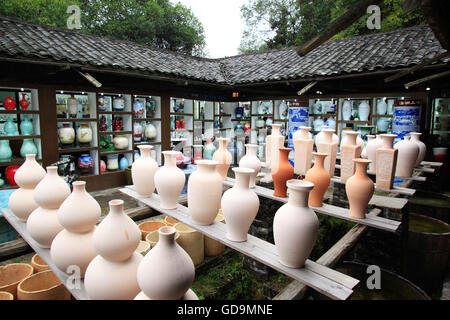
66,134
120,142
112,162
84,134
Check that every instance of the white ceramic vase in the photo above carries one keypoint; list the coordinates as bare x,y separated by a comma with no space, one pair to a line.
240,206
346,110
408,151
415,137
204,192
250,160
382,107
143,172
321,135
169,181
371,150
295,226
363,111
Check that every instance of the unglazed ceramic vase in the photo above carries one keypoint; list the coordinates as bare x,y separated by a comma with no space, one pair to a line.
295,226
328,146
117,236
386,157
223,158
321,136
192,241
169,181
204,192
303,147
143,172
320,178
274,142
43,226
21,202
52,190
107,280
214,247
359,189
282,172
240,206
408,151
415,137
371,149
251,161
359,140
349,151
167,271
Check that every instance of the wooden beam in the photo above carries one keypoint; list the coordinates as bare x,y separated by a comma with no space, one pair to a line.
338,25
426,79
306,88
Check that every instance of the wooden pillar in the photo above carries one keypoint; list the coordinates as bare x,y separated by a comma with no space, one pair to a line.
48,125
165,123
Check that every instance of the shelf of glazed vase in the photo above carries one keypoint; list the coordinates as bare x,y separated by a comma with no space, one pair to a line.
105,153
20,137
14,161
76,149
77,290
19,111
76,120
114,133
322,279
371,221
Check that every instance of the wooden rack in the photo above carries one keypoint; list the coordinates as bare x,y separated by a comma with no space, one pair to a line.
325,280
396,189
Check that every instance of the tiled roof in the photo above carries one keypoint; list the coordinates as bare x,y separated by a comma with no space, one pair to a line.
394,49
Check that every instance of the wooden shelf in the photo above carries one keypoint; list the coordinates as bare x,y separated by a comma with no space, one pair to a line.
352,121
21,137
116,112
376,222
108,172
21,227
106,153
115,133
263,115
382,116
14,161
395,189
222,115
325,280
146,119
204,120
76,119
76,149
19,111
181,114
327,115
242,119
8,187
146,142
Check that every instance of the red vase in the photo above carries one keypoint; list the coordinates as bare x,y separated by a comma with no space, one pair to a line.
183,122
9,103
10,172
282,172
24,102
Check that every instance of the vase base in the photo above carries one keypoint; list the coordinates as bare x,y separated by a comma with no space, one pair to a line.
290,265
235,239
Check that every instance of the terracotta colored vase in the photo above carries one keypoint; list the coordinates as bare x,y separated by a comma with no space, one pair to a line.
223,158
143,172
251,161
408,151
12,274
295,226
170,221
6,295
371,149
240,206
320,178
192,241
169,181
204,192
43,285
359,189
167,271
282,172
415,137
303,148
39,264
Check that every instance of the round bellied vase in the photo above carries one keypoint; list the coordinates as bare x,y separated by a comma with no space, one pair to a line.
359,189
143,172
250,160
169,181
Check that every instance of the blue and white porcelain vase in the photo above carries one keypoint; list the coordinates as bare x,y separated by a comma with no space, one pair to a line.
363,111
406,118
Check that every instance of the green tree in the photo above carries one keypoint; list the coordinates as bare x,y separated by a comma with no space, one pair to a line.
157,23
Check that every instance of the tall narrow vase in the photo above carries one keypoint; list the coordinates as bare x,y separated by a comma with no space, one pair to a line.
386,157
204,192
371,150
223,158
320,178
359,189
415,137
169,181
240,205
349,151
251,161
408,151
295,226
143,172
274,142
282,172
303,147
328,146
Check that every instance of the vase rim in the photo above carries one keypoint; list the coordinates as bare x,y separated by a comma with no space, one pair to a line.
284,149
166,230
171,152
30,156
389,135
320,154
222,139
145,147
250,145
207,162
79,183
243,170
115,203
361,160
296,184
417,134
305,128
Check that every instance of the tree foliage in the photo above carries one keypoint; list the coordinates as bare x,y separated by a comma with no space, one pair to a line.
273,24
158,23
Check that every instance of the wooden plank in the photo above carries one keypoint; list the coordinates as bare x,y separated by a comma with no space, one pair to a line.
13,248
426,79
342,213
414,178
395,189
78,293
259,250
431,163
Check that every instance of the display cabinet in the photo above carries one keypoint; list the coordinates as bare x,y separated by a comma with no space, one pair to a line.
439,120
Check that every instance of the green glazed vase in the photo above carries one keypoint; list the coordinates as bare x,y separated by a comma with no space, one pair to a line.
28,147
26,126
5,150
9,127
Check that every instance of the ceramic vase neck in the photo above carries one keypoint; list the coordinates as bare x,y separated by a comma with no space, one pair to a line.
298,197
304,132
415,136
388,141
276,130
407,138
251,150
116,207
319,160
243,178
351,138
170,158
222,144
328,135
30,157
79,186
284,154
145,151
361,168
52,171
166,236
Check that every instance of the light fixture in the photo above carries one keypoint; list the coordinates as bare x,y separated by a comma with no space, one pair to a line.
428,89
62,92
82,92
101,93
21,89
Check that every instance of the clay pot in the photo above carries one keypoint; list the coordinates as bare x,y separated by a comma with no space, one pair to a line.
191,241
42,286
143,172
143,247
117,236
170,221
189,295
52,190
108,280
359,189
274,141
6,296
303,148
39,264
153,237
282,172
167,271
240,206
223,158
43,226
80,211
320,178
12,274
204,192
150,226
295,226
251,161
169,181
214,247
415,137
408,151
371,150
328,146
